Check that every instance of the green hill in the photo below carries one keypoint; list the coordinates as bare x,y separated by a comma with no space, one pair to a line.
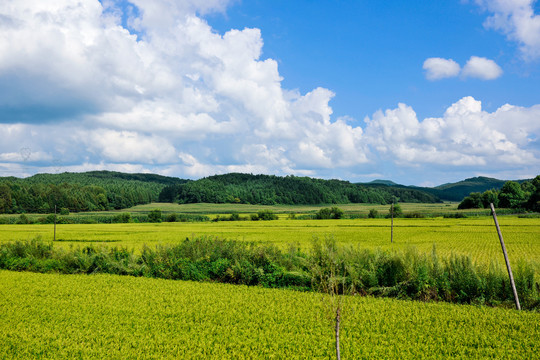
450,191
90,191
270,189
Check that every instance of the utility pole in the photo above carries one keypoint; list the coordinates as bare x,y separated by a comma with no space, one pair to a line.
506,257
54,238
392,222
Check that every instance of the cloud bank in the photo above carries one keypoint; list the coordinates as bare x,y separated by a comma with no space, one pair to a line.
152,87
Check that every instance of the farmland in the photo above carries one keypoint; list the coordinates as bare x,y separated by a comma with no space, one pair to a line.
109,316
474,236
78,316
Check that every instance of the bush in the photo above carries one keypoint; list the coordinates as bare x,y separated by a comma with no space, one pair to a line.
122,218
154,216
23,219
373,214
267,215
329,213
172,218
397,211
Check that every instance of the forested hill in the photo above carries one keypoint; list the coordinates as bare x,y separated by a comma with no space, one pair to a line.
457,191
90,191
270,189
451,191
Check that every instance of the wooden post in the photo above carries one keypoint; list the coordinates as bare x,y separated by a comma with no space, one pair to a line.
392,223
54,238
338,320
505,257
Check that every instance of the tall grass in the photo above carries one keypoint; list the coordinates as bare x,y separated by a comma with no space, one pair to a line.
406,275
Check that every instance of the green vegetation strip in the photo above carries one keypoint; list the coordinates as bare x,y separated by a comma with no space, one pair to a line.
408,275
51,316
475,237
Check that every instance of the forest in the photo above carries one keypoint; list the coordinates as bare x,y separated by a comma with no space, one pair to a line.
512,195
91,191
288,190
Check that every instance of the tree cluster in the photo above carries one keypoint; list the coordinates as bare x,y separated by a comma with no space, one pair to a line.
524,196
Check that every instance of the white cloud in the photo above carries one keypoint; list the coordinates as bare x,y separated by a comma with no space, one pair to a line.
439,68
465,136
476,67
516,19
176,87
128,146
481,68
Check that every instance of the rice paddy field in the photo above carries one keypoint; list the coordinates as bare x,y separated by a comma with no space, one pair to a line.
475,236
51,316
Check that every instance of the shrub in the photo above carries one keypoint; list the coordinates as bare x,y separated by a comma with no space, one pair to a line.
373,214
122,218
329,213
154,216
171,218
267,215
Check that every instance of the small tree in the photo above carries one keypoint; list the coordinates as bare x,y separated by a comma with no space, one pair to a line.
154,216
267,215
397,212
329,213
511,195
373,213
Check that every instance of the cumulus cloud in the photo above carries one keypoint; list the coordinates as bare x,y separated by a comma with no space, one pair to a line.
439,68
464,136
516,19
152,82
481,68
476,67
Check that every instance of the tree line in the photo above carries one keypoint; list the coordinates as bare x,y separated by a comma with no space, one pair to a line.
288,190
521,197
91,191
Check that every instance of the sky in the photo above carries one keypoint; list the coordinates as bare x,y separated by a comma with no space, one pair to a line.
418,92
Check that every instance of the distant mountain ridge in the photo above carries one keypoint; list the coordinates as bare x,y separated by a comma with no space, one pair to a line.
453,191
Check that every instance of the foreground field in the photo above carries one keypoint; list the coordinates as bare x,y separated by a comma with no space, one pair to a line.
52,316
471,236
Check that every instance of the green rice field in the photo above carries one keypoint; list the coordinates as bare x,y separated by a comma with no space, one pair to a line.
474,236
50,316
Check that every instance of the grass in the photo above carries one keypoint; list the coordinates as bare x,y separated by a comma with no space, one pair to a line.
50,316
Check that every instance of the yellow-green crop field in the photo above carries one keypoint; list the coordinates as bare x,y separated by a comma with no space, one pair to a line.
50,316
476,237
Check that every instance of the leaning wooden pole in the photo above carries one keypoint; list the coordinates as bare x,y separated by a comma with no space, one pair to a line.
505,257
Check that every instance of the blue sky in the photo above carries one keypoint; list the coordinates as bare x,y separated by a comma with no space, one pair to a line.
417,92
370,53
